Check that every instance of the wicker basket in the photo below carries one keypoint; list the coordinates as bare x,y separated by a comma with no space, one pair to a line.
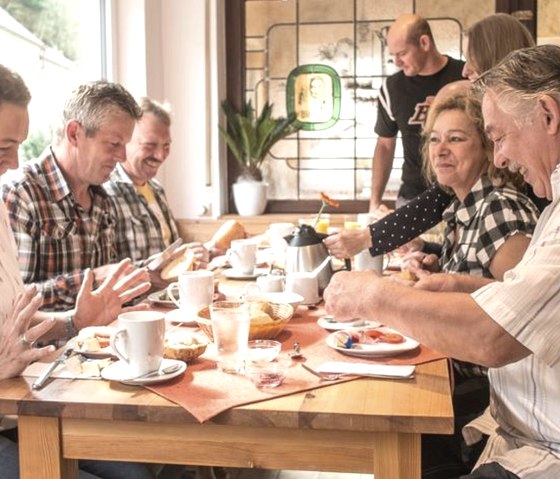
281,314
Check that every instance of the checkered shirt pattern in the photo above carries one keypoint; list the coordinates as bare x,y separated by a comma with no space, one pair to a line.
56,238
481,224
138,231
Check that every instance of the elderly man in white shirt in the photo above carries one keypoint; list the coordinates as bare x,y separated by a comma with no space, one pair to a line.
510,326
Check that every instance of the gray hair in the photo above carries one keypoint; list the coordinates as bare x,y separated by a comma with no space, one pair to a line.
91,103
521,79
161,111
13,88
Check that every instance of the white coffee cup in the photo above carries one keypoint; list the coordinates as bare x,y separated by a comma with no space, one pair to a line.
230,328
138,341
364,261
304,284
242,256
196,291
271,283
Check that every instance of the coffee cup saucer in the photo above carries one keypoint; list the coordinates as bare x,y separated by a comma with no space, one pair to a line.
236,274
118,371
178,316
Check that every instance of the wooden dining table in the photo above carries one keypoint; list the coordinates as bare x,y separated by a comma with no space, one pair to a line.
366,425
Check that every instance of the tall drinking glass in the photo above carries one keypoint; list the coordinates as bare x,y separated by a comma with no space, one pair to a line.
230,327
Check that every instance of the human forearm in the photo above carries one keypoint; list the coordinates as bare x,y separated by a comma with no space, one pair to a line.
404,224
446,322
382,165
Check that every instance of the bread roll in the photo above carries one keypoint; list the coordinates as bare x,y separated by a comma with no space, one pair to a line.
256,308
407,275
229,231
179,265
185,348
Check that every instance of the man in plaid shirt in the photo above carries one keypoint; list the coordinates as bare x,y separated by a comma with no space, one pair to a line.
59,212
144,222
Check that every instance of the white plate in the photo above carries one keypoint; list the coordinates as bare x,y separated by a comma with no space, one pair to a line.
118,371
90,332
232,274
330,324
179,316
160,298
376,349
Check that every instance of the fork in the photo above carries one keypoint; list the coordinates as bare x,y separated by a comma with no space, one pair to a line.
323,376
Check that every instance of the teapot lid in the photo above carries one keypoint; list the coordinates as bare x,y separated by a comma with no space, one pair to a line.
304,235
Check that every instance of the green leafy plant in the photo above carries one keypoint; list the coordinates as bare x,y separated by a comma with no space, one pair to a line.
250,136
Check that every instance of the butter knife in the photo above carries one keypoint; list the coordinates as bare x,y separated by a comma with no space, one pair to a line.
40,381
164,255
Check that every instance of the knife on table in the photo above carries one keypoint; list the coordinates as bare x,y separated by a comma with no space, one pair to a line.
40,381
164,255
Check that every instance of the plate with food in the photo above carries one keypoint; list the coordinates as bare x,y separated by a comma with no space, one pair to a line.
160,298
371,342
93,342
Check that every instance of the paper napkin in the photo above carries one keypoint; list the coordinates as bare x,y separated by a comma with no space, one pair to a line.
367,369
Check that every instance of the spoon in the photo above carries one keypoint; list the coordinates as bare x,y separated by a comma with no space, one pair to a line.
160,372
323,376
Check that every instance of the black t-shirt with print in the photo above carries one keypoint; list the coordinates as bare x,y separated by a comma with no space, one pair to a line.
402,107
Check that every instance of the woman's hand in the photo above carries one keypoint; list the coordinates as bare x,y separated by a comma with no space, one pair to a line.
101,306
348,243
17,338
418,261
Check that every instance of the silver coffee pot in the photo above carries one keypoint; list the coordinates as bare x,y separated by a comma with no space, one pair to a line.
306,252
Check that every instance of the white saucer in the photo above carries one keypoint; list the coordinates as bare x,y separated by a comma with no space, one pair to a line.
118,371
233,274
178,316
330,324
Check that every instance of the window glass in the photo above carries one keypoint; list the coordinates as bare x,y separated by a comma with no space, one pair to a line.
54,45
348,36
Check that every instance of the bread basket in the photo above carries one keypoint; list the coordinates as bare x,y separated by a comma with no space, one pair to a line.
280,314
174,347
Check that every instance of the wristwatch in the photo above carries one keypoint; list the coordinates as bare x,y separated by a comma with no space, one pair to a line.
70,327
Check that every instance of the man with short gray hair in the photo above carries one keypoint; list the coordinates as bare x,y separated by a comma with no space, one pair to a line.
59,213
510,326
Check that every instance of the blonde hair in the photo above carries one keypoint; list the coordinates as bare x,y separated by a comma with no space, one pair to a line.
470,106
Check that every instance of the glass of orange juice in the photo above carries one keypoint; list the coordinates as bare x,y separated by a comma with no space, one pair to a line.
322,225
351,223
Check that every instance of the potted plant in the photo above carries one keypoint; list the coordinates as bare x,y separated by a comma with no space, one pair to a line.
250,137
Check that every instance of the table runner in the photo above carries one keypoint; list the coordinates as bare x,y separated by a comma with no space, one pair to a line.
205,391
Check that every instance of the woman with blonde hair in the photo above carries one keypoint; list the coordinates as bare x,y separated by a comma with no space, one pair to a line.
487,42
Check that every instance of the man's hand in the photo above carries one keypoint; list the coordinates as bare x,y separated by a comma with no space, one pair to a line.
341,294
347,243
103,305
17,338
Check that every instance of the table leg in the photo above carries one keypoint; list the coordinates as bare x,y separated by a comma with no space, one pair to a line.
397,456
40,450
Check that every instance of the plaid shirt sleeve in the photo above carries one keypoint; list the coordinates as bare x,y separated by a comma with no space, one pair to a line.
60,291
